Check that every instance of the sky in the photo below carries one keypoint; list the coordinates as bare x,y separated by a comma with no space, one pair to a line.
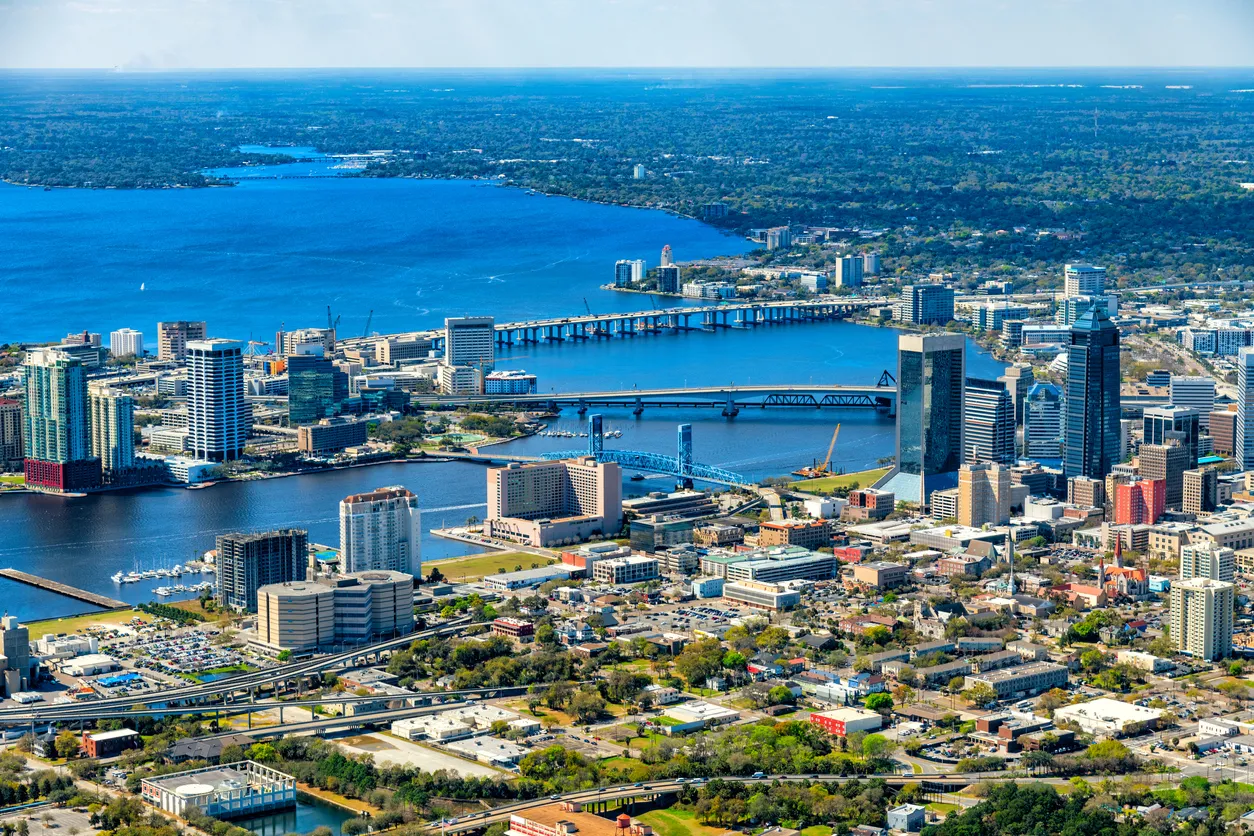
209,34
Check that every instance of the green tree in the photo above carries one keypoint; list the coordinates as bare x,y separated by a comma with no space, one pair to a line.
881,702
587,706
980,695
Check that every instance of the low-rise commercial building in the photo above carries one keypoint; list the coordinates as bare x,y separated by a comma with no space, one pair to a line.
331,435
107,744
880,574
808,534
1029,679
1109,718
843,722
764,596
625,570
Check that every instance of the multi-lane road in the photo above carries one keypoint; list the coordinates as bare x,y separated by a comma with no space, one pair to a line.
221,689
649,789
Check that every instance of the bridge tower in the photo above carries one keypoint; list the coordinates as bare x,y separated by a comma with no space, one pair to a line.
596,436
685,450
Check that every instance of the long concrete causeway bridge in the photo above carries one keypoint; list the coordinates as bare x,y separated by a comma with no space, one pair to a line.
742,315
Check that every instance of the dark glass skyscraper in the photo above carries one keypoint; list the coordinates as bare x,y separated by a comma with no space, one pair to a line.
931,370
988,418
313,392
1091,435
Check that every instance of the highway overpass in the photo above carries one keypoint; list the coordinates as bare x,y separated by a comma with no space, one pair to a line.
291,675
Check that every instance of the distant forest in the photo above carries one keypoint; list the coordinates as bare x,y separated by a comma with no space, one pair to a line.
950,173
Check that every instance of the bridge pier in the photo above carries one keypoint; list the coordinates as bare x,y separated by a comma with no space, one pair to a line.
639,408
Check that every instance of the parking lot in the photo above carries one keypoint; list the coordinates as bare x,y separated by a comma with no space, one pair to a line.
63,820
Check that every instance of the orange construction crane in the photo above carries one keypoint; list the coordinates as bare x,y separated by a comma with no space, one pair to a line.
815,471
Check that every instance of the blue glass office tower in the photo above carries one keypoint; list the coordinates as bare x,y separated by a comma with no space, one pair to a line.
315,388
1091,435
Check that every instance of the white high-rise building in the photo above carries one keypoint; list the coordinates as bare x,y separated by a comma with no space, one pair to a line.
381,530
1244,441
1195,392
218,418
1207,560
1083,280
1201,617
126,342
627,272
470,341
111,419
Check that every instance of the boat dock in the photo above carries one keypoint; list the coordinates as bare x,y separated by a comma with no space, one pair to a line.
64,589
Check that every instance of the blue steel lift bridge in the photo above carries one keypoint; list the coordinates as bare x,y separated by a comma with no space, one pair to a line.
681,465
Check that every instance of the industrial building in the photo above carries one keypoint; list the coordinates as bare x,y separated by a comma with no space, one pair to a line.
235,790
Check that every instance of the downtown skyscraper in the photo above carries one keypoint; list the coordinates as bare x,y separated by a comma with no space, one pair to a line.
1244,432
55,425
1091,430
218,418
931,373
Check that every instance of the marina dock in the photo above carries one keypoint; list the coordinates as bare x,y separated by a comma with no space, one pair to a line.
64,589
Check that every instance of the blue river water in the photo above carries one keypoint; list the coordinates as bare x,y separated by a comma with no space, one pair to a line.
250,258
265,252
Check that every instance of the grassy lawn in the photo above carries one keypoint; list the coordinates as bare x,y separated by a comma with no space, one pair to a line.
338,800
864,478
675,822
39,629
940,807
817,830
476,566
12,479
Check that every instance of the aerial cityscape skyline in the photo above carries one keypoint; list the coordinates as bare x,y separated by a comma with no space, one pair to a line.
621,452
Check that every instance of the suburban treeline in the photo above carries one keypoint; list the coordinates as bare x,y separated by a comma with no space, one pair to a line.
1145,179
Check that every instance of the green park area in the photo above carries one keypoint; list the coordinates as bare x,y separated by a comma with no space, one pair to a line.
74,623
476,566
676,822
863,479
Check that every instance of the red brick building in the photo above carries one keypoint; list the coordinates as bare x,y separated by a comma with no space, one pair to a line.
1140,503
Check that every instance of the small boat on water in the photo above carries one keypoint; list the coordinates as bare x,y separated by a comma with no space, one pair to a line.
163,591
638,477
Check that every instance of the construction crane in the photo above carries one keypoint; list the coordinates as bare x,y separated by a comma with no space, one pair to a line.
815,471
369,319
586,306
332,324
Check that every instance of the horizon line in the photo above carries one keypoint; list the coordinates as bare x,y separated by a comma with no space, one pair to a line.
119,69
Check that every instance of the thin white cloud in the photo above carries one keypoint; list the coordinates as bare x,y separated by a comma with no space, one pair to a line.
626,33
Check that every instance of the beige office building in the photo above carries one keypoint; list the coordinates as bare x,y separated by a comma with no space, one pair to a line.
983,494
554,502
173,337
1201,617
343,609
111,419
